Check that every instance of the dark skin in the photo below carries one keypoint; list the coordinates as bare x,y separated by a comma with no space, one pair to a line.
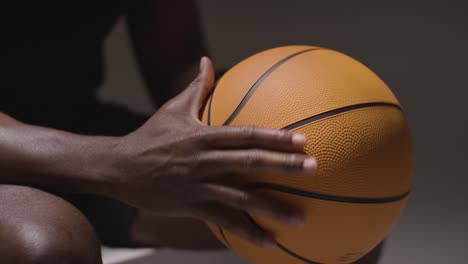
180,173
156,169
171,168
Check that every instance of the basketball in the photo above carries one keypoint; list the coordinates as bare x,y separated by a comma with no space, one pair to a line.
355,128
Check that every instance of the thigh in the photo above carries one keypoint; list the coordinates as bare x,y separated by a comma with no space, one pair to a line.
112,219
38,227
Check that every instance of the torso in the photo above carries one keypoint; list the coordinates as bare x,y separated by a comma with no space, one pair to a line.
52,53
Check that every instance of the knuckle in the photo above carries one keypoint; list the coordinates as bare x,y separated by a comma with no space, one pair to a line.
291,161
195,136
281,135
250,132
215,192
195,163
199,135
243,200
196,82
251,158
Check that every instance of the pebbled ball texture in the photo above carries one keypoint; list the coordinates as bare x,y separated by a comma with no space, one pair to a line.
354,127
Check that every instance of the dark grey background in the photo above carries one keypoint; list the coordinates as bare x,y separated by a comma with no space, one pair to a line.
418,47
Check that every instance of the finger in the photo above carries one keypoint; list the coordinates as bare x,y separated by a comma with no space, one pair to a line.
235,222
221,162
246,201
191,99
254,137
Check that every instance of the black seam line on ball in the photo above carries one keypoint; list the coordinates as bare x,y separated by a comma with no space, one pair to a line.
336,112
221,231
326,197
259,81
279,245
208,115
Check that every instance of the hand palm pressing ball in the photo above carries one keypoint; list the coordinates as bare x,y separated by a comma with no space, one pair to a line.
356,130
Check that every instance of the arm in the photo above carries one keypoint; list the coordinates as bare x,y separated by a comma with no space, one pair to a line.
168,43
39,156
172,165
66,162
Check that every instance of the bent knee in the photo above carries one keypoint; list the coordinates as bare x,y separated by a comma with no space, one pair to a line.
45,229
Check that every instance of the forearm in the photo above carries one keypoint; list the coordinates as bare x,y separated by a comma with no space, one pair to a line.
49,158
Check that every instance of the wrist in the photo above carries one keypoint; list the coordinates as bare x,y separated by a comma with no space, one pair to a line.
55,160
100,167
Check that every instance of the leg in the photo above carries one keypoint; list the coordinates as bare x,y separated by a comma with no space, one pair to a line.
116,223
38,227
150,230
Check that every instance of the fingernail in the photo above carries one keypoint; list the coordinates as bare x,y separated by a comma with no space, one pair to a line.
269,243
296,221
202,63
310,165
298,139
292,220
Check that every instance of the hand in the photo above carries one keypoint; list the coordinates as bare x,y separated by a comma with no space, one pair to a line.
174,165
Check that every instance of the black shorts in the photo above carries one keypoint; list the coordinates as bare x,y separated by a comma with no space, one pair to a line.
110,218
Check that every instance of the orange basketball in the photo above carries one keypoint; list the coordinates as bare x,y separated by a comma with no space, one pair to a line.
355,128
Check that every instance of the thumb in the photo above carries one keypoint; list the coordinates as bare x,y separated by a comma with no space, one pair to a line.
193,96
